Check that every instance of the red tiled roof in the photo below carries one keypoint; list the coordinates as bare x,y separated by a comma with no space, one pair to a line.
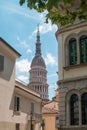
46,110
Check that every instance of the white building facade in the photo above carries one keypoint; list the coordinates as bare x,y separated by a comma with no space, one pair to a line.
72,62
17,101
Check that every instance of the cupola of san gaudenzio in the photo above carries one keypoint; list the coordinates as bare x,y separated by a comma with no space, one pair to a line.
38,72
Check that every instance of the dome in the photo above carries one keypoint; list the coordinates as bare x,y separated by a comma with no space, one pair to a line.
38,61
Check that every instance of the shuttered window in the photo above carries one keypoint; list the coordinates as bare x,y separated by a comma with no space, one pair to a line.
17,126
17,103
32,107
1,63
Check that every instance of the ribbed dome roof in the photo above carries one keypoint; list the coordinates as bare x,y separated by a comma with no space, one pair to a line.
38,61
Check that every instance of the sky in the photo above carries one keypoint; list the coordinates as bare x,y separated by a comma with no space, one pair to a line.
18,27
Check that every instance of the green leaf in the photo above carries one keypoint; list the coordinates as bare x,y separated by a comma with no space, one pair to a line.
62,15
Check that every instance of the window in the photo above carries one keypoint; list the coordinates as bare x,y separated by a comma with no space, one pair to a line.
76,50
74,110
32,107
84,108
17,126
17,103
1,63
43,124
83,49
72,51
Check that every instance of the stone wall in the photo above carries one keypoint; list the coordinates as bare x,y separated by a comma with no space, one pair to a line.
65,91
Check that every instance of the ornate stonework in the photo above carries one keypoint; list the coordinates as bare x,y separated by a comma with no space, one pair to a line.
38,73
72,78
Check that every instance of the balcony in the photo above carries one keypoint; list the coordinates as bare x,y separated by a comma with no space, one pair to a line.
35,116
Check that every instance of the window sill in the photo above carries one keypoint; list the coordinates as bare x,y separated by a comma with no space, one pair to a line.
76,126
16,113
75,66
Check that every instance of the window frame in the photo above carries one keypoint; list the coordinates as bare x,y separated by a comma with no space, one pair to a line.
1,62
76,36
17,125
72,51
32,107
84,108
17,103
83,48
74,109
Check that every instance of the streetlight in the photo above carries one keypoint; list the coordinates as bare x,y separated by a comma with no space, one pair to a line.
58,123
43,124
31,128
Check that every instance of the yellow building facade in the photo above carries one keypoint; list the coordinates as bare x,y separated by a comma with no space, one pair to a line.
50,114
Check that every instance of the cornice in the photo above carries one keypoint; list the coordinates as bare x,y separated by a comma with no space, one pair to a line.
72,80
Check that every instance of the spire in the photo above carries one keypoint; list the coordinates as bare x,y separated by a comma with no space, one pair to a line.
38,35
38,45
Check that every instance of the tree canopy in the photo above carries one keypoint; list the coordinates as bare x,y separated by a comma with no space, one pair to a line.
61,12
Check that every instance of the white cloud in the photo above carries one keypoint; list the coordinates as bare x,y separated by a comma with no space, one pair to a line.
23,78
45,28
53,85
29,51
23,43
22,66
50,60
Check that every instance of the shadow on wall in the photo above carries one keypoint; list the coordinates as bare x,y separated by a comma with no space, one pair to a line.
22,106
9,65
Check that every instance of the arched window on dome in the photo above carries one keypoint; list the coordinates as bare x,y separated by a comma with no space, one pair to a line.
83,49
84,108
74,110
72,51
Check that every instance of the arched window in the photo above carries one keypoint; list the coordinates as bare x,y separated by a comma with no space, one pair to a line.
83,49
84,108
72,51
74,110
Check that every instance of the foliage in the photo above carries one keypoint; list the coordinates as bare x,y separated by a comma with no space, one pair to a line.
61,12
